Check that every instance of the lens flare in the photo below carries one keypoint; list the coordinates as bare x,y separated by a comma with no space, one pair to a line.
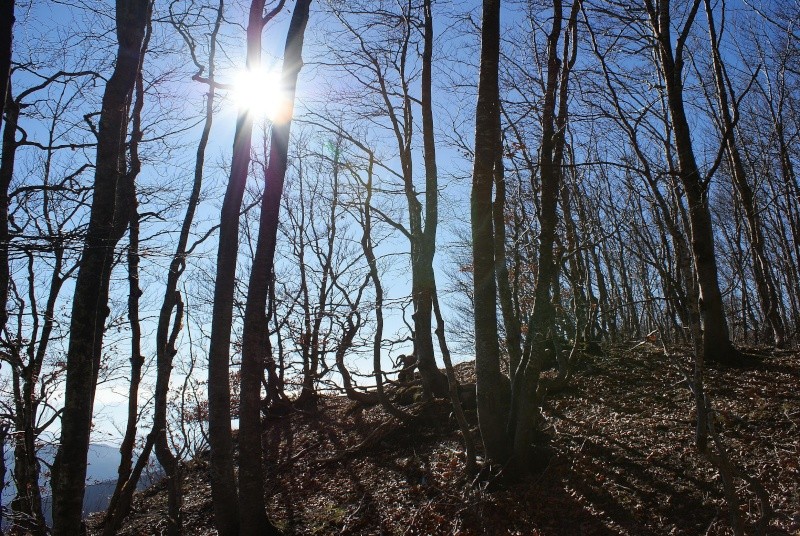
261,94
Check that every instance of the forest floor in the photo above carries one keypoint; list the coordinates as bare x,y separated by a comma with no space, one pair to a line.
620,454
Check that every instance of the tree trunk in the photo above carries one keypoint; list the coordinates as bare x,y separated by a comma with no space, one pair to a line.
6,26
492,385
134,291
90,302
7,159
525,386
717,345
6,37
251,476
27,505
762,269
511,320
454,392
433,380
4,428
372,261
223,482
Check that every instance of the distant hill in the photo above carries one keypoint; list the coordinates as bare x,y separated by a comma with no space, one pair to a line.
101,477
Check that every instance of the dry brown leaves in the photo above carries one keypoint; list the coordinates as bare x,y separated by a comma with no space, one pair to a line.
621,461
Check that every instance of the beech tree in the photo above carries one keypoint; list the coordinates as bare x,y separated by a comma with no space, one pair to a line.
251,476
508,416
729,116
248,513
171,314
632,178
223,482
717,344
389,83
108,221
6,26
493,390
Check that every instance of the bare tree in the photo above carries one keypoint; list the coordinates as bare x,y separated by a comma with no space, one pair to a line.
493,392
6,38
717,344
389,82
526,389
168,328
251,478
223,482
729,117
108,221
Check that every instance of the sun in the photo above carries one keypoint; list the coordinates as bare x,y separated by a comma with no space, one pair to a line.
261,94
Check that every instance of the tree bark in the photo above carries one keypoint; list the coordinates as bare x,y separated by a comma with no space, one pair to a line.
9,144
134,292
525,385
717,346
223,482
762,269
492,385
6,38
90,302
253,518
4,428
434,382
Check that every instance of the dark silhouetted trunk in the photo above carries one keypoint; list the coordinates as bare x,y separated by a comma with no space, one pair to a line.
7,160
424,283
107,224
223,482
493,394
525,386
6,27
717,345
251,475
134,293
4,428
6,37
27,504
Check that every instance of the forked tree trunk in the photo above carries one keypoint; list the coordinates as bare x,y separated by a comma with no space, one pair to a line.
90,303
762,269
525,385
223,482
434,381
253,518
717,346
134,290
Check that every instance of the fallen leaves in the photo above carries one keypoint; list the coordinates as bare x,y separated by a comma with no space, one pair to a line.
623,462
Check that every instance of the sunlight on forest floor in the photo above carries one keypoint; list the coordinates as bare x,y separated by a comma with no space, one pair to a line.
621,461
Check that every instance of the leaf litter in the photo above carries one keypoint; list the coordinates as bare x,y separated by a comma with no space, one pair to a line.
620,460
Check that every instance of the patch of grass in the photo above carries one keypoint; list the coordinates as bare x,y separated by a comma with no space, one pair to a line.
330,516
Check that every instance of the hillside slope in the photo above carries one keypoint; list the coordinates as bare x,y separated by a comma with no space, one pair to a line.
620,460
